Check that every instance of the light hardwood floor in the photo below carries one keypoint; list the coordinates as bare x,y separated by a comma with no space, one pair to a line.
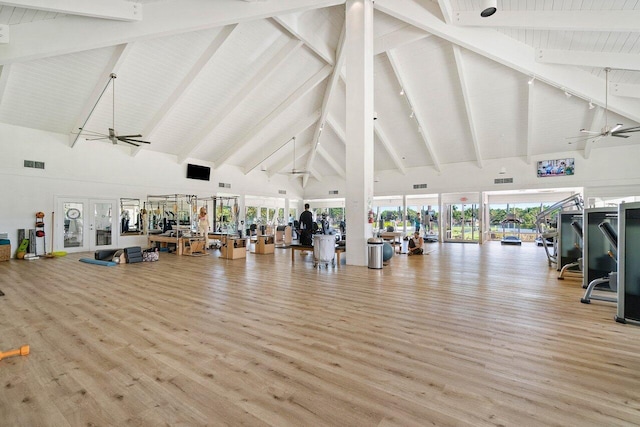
467,335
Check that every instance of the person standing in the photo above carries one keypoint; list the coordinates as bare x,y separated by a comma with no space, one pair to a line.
203,225
306,226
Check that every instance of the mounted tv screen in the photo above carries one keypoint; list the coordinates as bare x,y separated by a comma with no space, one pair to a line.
198,172
558,167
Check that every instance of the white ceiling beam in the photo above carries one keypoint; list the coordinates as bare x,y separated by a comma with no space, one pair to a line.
395,39
182,88
5,72
625,61
337,129
119,10
554,20
596,124
447,10
162,18
467,103
314,173
626,90
255,82
291,24
270,148
506,51
332,161
408,91
530,120
326,101
5,33
256,130
386,143
118,57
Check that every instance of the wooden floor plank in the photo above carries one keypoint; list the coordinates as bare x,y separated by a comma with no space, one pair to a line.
466,335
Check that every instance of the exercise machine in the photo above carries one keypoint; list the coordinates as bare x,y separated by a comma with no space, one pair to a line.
513,239
569,268
600,248
547,225
628,265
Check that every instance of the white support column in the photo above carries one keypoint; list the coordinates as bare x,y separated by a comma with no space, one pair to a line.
286,210
530,124
359,60
404,214
242,214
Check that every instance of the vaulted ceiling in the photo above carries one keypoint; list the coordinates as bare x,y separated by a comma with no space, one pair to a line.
232,81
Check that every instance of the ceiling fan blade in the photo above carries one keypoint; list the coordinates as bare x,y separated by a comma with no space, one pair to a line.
97,139
581,137
90,132
620,136
628,130
130,136
124,139
616,128
589,131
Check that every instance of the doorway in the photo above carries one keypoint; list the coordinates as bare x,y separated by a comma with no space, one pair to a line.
85,224
462,223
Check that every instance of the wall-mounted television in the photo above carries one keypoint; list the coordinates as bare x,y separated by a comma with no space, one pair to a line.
558,167
198,172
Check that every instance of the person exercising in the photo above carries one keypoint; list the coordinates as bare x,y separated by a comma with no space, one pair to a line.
415,244
306,226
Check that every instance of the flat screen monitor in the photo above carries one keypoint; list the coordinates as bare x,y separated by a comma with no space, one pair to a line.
198,172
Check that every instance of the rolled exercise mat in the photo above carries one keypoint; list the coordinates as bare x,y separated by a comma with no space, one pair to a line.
98,262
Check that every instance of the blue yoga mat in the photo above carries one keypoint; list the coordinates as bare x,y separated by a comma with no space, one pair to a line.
98,262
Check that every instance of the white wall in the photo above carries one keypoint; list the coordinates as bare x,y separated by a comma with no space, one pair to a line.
606,167
98,169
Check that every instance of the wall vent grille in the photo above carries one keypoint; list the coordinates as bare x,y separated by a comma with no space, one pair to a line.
224,185
503,181
419,186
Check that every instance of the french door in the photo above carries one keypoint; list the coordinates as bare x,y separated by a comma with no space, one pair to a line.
85,224
462,223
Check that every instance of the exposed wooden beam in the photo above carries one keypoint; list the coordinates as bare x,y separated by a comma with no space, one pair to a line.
118,57
332,161
119,10
467,102
386,143
298,94
337,129
255,82
447,10
326,102
408,91
626,90
291,24
270,148
161,19
554,20
506,51
186,83
626,61
400,37
5,72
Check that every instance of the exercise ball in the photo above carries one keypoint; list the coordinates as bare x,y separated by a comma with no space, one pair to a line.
387,252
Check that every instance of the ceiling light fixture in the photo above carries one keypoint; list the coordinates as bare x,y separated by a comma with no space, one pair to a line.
412,115
489,7
567,94
591,106
531,80
402,92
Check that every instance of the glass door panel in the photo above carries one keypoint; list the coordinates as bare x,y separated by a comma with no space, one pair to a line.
461,222
73,225
101,226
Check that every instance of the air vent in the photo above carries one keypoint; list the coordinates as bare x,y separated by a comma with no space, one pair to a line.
419,186
224,185
503,181
282,191
333,191
33,164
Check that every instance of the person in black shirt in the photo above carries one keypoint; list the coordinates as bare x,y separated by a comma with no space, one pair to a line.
306,226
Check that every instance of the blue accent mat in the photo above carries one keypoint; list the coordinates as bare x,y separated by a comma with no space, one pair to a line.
98,262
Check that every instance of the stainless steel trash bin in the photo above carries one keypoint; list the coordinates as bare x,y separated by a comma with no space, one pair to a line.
375,245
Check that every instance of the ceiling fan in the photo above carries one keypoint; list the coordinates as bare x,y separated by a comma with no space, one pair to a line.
112,135
293,170
607,130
